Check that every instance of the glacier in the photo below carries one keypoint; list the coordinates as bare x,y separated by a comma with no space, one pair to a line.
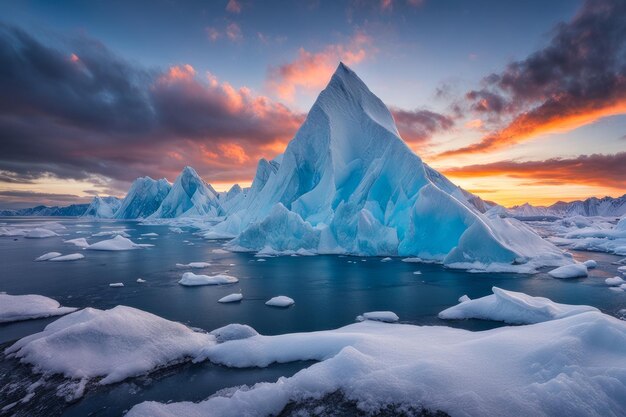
143,198
103,207
348,184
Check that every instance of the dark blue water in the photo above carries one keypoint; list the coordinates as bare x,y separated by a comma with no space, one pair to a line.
329,292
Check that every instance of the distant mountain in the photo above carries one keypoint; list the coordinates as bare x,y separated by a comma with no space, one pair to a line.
46,211
103,207
606,206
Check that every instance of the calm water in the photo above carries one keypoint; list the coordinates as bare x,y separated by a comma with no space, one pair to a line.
329,292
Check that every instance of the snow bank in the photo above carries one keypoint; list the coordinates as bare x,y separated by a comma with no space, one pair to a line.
118,243
194,265
233,332
48,256
231,298
574,366
280,301
384,316
25,307
511,307
569,271
113,344
190,279
67,258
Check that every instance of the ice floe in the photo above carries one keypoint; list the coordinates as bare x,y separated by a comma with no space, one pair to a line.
190,279
194,265
31,306
280,301
118,243
569,271
233,332
67,258
48,256
231,298
384,316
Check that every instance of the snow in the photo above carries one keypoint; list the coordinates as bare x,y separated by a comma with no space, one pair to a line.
113,344
190,279
590,264
348,184
574,366
615,281
384,316
39,233
80,242
67,258
116,284
569,271
280,301
511,307
118,243
233,332
48,256
25,307
195,265
231,298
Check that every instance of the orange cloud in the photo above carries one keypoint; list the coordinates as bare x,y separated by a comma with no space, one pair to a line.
74,58
312,70
235,152
183,72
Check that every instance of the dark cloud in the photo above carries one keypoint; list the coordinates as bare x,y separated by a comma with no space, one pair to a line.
13,199
597,169
79,111
579,77
418,126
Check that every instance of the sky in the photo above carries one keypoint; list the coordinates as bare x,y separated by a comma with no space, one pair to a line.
514,101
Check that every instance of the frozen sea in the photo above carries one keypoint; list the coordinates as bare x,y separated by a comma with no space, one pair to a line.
329,292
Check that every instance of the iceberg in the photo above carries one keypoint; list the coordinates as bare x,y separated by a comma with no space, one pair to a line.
67,258
116,284
103,207
189,196
280,301
143,198
47,256
118,243
231,298
511,307
384,316
190,279
348,184
39,233
615,281
26,307
80,242
194,265
569,271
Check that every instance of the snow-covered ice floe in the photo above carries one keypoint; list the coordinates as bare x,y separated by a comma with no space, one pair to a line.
39,234
194,265
80,242
569,271
120,232
231,298
118,243
25,307
615,281
32,230
384,316
191,280
67,258
110,344
116,284
280,301
512,307
573,366
48,256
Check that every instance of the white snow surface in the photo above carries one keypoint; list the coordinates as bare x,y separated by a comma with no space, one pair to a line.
578,270
574,366
347,183
191,280
233,331
512,307
280,301
384,316
231,298
118,243
25,307
112,344
67,258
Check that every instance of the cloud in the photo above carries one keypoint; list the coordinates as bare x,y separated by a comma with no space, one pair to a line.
21,199
577,79
312,70
418,126
233,6
101,117
596,169
233,32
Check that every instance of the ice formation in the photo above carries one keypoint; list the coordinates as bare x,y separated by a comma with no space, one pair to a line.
384,316
67,258
231,298
25,307
143,198
191,280
569,271
233,332
80,242
280,301
118,243
48,256
103,207
194,265
512,307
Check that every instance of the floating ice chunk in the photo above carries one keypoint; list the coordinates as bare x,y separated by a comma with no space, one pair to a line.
513,308
590,264
25,307
464,298
118,243
231,298
114,344
176,230
615,281
220,251
384,316
261,260
387,259
39,233
280,301
151,234
190,279
67,258
48,256
141,280
417,272
569,271
194,265
622,269
121,232
412,260
233,332
81,242
116,284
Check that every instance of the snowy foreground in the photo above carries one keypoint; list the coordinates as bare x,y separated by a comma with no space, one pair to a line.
571,363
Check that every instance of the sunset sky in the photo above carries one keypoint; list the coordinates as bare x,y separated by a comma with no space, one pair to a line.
515,101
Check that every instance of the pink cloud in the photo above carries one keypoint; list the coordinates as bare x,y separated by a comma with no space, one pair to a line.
213,34
233,6
233,32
